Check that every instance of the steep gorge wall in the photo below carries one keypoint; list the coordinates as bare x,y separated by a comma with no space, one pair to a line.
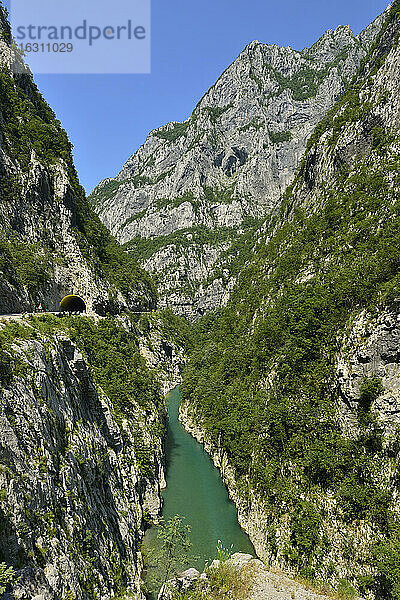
51,242
369,349
79,481
295,387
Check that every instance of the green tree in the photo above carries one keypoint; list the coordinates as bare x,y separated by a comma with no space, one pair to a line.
370,389
5,368
387,561
169,553
6,577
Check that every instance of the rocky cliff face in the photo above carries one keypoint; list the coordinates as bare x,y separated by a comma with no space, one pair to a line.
193,187
163,349
294,389
51,243
78,479
371,348
81,449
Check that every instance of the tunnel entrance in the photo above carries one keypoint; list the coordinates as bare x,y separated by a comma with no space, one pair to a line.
72,304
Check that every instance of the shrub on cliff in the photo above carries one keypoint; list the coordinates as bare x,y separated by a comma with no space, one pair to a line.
6,577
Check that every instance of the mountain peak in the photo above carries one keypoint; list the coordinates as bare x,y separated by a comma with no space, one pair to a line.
253,44
228,164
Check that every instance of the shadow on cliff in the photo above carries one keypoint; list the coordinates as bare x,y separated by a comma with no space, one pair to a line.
170,446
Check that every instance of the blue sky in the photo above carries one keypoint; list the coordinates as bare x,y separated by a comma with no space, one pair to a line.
109,116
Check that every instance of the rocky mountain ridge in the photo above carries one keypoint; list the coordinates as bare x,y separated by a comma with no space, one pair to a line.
194,187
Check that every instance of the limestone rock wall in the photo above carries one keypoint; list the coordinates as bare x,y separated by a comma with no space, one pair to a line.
371,348
75,493
51,242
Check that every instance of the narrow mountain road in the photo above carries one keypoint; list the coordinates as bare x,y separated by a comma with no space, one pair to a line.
18,316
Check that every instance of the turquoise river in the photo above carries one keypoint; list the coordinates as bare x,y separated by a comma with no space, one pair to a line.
195,491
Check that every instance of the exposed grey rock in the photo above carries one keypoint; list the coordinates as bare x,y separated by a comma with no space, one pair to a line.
162,354
238,559
167,590
267,585
253,516
194,187
260,583
74,502
371,348
41,205
31,581
182,582
188,578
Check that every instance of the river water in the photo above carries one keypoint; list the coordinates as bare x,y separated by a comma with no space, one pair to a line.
195,491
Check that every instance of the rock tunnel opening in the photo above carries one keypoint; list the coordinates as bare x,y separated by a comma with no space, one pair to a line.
72,304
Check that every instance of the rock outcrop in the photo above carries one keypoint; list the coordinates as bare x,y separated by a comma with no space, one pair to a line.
162,348
195,187
51,242
251,576
371,349
75,492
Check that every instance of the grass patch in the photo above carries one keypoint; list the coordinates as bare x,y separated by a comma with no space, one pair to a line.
173,133
223,583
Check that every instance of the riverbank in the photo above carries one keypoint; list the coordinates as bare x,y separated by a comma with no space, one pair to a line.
251,517
243,577
196,491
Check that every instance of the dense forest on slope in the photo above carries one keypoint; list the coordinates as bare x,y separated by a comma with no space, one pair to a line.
263,380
